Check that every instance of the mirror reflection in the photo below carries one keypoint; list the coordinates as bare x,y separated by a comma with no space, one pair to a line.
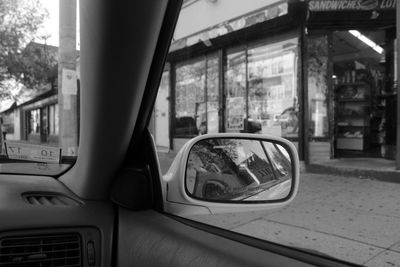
225,169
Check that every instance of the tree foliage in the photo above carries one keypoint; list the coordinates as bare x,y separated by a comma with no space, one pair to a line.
33,66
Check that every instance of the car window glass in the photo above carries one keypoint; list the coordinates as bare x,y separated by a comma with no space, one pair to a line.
320,73
39,84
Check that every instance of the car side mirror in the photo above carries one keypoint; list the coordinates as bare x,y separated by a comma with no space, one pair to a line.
219,173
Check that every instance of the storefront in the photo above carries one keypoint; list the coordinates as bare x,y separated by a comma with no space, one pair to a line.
351,79
245,79
320,73
35,120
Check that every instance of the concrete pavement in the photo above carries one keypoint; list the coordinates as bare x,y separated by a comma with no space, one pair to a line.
353,219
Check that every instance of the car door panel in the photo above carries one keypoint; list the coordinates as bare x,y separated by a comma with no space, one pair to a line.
149,238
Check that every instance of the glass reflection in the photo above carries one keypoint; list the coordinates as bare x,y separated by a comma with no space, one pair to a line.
238,169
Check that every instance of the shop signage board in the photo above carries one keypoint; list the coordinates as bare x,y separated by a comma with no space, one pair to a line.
268,13
23,151
351,5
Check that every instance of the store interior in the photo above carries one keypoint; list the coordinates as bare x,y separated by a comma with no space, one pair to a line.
363,95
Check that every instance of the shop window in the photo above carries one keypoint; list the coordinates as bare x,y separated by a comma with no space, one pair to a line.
189,98
317,63
34,121
272,93
235,85
196,97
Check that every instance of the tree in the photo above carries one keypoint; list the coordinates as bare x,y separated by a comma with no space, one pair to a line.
20,21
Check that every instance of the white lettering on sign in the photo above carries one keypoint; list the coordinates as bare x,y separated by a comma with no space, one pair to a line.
30,152
362,5
389,4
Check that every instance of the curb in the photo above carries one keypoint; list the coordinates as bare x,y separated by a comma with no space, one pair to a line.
386,176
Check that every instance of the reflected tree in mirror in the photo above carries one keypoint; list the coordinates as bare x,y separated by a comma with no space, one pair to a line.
224,169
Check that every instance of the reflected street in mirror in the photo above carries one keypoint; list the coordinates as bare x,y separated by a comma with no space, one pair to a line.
224,169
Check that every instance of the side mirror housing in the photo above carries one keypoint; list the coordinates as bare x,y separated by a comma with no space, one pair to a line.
230,172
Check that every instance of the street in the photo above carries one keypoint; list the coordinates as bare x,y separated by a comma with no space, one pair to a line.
346,217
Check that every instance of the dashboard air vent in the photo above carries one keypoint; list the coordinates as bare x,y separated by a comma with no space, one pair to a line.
49,250
49,200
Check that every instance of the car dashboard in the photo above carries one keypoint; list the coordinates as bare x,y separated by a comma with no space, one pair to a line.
44,224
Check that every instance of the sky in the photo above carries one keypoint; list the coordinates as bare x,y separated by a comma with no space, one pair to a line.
51,24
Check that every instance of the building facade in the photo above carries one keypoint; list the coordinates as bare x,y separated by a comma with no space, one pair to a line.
321,73
35,120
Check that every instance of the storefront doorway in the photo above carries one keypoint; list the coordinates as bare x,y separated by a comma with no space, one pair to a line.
362,82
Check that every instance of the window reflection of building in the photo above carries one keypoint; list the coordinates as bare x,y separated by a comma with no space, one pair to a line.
317,69
273,87
232,168
235,91
196,97
212,95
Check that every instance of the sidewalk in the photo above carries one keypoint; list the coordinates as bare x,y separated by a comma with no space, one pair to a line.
351,218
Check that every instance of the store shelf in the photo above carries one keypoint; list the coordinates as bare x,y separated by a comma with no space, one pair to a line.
351,115
350,143
386,95
352,84
353,100
359,126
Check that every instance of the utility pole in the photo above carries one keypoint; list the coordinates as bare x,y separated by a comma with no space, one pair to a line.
398,85
67,84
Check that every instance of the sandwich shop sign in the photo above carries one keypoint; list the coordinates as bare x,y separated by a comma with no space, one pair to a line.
349,5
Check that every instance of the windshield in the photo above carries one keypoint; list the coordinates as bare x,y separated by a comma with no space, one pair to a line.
39,86
322,74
